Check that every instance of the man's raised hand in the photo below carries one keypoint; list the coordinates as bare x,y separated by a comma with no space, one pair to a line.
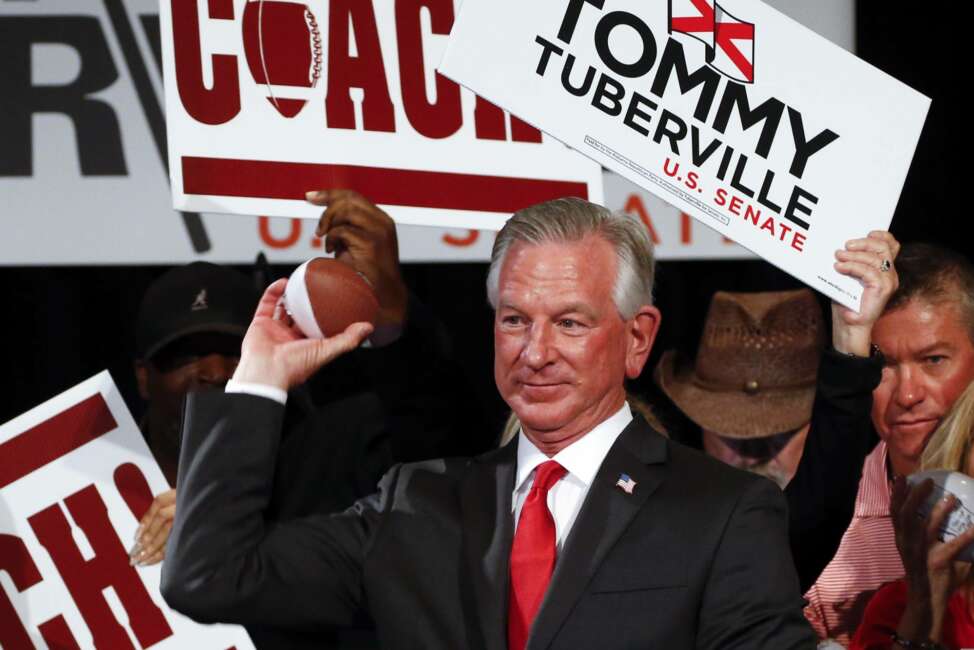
276,353
871,261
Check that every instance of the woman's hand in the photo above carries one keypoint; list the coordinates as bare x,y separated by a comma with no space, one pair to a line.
932,572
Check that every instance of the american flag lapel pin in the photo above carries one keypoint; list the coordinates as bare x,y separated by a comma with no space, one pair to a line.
626,484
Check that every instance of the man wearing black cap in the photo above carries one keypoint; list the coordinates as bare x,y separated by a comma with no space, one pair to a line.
188,334
414,399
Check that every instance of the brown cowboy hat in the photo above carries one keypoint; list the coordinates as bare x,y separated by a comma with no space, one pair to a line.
754,374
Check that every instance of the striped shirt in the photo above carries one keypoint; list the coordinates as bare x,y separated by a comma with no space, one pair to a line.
867,558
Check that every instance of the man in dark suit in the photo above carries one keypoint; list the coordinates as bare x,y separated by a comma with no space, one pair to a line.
590,531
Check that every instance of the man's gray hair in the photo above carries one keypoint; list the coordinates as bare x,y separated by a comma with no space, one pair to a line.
571,220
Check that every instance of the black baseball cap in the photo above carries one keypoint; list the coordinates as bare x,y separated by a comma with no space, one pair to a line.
197,298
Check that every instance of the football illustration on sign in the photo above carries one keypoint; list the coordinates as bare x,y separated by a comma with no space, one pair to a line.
282,44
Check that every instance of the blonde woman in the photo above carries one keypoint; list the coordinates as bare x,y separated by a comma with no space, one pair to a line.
933,606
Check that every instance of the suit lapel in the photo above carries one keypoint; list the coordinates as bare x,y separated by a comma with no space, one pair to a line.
607,511
488,531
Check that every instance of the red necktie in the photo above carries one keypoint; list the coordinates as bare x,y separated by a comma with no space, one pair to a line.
532,555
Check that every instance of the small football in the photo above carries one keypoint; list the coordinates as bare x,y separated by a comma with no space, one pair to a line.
325,296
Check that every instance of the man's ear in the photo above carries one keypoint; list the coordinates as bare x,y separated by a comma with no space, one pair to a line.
642,330
142,378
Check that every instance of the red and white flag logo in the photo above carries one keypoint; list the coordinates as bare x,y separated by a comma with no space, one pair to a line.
729,41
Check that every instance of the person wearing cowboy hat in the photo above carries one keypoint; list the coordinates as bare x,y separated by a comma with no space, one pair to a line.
751,387
755,388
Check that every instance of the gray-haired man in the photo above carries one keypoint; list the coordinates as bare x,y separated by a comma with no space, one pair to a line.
591,530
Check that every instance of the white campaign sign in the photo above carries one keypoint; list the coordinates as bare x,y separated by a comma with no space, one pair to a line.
266,99
743,118
83,177
75,479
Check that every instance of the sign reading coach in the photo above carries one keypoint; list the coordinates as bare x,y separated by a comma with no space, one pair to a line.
269,98
731,111
75,480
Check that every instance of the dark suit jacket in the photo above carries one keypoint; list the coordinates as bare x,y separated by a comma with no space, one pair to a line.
696,557
344,429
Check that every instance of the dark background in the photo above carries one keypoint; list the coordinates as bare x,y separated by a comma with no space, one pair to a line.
60,325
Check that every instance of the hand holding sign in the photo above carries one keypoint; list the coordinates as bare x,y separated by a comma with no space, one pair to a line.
338,94
869,260
153,531
77,477
749,131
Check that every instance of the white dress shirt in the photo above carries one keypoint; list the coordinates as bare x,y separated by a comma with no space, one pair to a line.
279,395
582,459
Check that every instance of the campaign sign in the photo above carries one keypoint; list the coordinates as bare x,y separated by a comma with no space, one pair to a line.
75,479
266,99
731,111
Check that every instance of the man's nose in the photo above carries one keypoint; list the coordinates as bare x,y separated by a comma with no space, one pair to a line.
909,388
537,352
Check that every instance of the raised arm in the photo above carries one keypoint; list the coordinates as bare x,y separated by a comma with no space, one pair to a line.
224,562
821,496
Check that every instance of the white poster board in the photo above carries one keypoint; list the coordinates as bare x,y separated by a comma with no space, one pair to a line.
731,111
60,207
267,99
75,479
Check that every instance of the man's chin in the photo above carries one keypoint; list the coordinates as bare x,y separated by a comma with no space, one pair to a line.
908,441
539,417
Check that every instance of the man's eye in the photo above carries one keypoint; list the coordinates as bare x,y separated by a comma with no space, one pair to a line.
568,323
935,359
512,320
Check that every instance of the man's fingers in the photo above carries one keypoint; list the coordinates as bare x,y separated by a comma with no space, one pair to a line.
362,213
351,338
354,210
889,239
310,355
877,245
326,196
316,197
880,244
868,274
862,257
268,302
345,237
